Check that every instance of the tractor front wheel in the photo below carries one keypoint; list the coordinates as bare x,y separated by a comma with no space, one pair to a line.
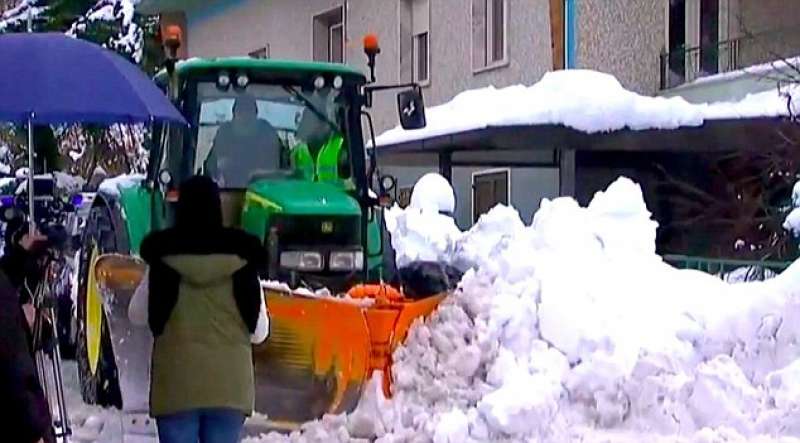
97,369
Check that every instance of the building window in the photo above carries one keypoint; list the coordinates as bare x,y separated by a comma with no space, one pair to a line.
421,57
415,40
489,30
697,38
490,188
260,53
329,36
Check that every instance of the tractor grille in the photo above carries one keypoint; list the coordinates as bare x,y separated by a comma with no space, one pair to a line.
318,230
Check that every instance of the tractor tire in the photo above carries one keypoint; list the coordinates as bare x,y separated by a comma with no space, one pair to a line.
102,387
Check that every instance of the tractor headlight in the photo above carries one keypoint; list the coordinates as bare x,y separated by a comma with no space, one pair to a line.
346,261
302,260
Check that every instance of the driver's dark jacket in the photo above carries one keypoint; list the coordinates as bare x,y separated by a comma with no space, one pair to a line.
259,149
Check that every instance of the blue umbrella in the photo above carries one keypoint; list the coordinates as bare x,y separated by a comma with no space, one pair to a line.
49,78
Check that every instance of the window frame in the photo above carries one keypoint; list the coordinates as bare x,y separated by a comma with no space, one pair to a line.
322,17
408,5
331,27
487,64
415,59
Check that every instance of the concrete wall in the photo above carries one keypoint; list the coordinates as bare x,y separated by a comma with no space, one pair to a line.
285,25
769,16
623,38
528,187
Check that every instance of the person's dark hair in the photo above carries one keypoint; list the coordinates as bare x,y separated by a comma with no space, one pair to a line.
199,205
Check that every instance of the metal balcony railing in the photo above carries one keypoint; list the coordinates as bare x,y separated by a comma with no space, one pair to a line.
684,65
745,270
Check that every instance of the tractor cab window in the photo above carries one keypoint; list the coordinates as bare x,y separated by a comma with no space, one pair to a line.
269,131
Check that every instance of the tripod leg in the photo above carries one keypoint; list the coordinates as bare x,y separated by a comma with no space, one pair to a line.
63,415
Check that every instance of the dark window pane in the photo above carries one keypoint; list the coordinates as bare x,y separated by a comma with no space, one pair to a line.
677,42
479,34
709,36
498,30
336,50
422,56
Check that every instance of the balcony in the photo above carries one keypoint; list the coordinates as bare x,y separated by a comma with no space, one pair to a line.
687,65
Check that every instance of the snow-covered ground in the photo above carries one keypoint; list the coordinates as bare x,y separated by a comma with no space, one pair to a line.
569,328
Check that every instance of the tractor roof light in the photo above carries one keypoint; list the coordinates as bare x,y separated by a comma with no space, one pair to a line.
173,37
372,49
371,45
224,80
338,82
242,81
319,82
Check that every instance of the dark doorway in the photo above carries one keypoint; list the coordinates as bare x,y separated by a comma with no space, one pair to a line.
489,189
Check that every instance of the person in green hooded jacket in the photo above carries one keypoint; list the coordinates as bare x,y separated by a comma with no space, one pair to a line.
205,308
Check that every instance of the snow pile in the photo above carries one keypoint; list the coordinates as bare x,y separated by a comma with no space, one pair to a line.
432,192
114,186
792,222
585,100
428,234
573,329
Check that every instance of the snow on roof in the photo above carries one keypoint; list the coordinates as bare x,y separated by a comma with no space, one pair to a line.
585,100
771,70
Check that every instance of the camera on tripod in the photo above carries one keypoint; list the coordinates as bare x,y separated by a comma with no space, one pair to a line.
54,214
46,279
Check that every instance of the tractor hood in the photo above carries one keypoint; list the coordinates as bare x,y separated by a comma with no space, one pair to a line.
301,197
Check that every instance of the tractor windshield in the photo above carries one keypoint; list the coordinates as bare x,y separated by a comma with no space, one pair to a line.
270,130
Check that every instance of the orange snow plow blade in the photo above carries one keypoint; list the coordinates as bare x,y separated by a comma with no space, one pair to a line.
320,352
314,361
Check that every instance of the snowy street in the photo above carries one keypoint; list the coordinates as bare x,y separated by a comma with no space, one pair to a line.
569,328
417,221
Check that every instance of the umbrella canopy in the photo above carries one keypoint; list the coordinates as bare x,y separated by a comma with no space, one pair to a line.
50,78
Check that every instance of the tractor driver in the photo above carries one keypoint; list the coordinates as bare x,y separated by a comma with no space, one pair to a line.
243,144
318,154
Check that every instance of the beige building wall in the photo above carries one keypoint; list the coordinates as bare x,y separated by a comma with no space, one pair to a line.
285,27
775,26
623,38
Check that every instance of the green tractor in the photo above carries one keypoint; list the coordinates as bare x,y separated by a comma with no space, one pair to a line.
284,140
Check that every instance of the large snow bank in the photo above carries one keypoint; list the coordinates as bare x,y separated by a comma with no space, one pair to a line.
571,328
585,100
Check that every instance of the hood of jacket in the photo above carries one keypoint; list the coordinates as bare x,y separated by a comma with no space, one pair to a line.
205,269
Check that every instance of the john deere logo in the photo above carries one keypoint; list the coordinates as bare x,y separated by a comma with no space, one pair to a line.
327,227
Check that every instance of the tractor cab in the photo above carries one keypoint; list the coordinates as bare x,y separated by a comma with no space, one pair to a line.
283,139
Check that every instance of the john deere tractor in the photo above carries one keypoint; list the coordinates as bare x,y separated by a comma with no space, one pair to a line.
284,140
